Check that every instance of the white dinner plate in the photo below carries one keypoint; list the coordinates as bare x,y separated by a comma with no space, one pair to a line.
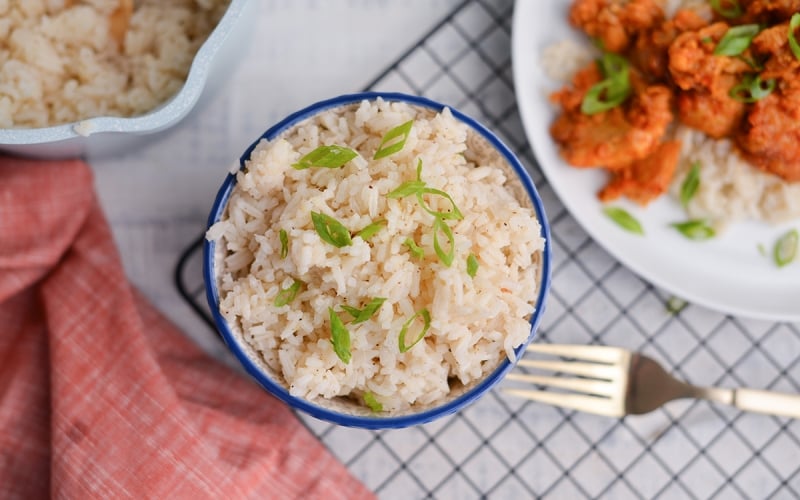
727,273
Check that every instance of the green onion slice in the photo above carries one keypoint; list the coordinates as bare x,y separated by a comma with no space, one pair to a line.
371,229
426,318
406,189
794,23
695,229
394,140
340,337
612,64
757,66
731,10
372,402
284,237
455,213
440,226
613,90
690,184
370,309
752,89
602,97
785,249
736,40
415,249
362,315
332,156
598,43
472,265
352,311
676,305
624,219
287,295
331,230
419,188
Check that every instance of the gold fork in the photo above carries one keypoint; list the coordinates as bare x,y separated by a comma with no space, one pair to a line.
615,382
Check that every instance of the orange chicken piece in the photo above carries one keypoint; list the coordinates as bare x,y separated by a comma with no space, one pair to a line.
616,137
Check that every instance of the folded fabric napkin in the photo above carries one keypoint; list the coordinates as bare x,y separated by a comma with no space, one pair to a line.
100,397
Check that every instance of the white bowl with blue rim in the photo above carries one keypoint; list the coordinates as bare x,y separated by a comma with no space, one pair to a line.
109,134
343,411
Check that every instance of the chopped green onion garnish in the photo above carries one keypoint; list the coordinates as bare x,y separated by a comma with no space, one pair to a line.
762,249
287,295
752,89
396,138
415,249
613,90
370,230
370,309
440,225
751,62
602,97
676,304
372,403
472,265
785,249
453,214
406,189
736,40
690,184
706,39
332,156
331,230
340,337
794,23
352,311
419,188
732,10
624,219
612,64
362,315
426,317
696,229
284,237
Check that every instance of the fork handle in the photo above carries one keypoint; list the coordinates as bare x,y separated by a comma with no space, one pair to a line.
767,402
772,403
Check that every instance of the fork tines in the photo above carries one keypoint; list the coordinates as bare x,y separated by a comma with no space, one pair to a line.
598,381
597,353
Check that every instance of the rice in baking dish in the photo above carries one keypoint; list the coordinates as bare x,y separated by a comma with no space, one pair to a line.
476,318
62,61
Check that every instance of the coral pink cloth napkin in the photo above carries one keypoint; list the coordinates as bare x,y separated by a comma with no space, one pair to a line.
100,397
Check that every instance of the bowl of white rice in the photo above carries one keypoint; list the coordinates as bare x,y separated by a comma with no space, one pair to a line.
377,260
80,77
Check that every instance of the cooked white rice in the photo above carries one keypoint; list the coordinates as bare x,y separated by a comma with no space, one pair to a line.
731,189
475,322
59,62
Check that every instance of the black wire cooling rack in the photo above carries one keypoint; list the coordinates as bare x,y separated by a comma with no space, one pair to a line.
503,447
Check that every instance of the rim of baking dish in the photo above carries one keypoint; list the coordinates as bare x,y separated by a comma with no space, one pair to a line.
163,116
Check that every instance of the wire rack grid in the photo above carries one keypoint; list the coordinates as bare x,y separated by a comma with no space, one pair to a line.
501,447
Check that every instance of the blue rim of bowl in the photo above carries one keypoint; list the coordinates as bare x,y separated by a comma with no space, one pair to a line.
166,114
375,422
